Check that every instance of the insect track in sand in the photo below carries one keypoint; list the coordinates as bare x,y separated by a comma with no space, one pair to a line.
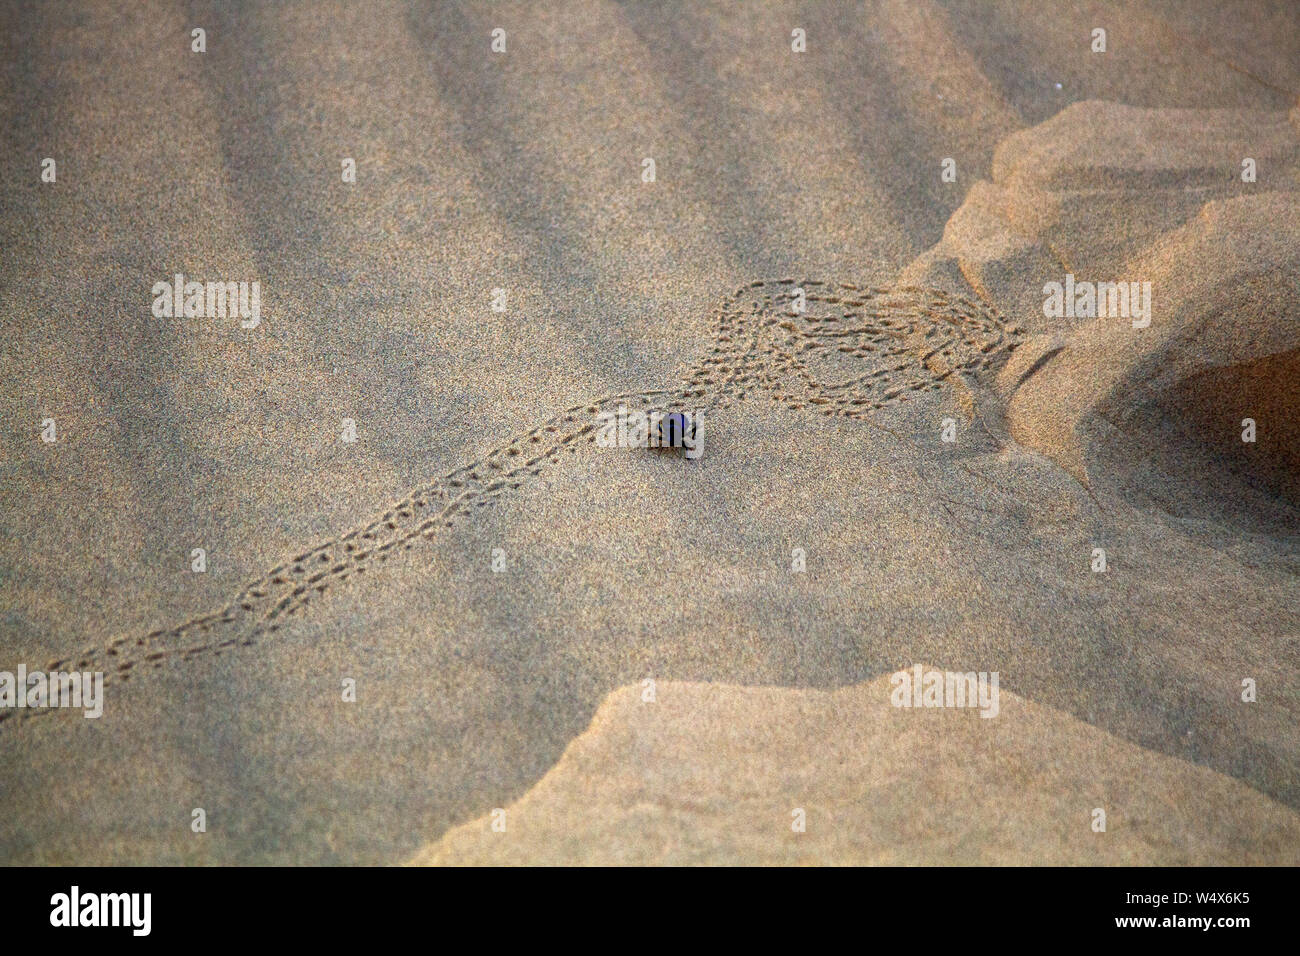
850,351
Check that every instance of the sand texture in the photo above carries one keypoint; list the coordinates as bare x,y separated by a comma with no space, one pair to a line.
498,586
708,772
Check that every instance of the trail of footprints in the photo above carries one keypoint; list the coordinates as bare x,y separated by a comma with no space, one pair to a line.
837,349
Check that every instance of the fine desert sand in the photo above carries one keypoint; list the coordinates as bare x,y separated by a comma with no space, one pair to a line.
497,588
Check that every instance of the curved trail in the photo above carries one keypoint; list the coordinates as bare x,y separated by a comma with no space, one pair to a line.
847,352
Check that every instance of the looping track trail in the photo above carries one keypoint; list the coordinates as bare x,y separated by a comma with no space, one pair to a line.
847,352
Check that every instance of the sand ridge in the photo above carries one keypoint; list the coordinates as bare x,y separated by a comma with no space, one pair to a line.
709,773
1107,192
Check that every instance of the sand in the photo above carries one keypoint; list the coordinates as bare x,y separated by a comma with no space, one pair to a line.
779,776
479,689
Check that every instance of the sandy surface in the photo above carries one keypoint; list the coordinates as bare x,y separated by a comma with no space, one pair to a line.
523,171
704,772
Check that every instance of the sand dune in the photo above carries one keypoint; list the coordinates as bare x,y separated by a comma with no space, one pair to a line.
1115,193
709,773
523,172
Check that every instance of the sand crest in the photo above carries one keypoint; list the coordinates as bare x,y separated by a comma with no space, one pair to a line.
712,773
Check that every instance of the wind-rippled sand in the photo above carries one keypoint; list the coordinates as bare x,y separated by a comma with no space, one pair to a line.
476,689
